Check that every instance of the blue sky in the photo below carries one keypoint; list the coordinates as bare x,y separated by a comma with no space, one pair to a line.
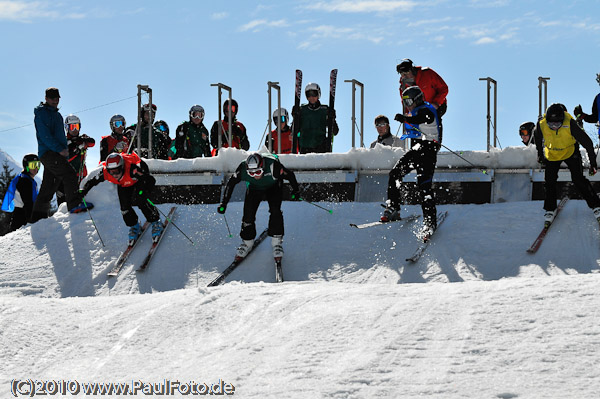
97,52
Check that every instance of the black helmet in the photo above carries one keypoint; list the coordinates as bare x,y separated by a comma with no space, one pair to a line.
526,128
555,113
162,126
234,106
412,96
404,66
30,158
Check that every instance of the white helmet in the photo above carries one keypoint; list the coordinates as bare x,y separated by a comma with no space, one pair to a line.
280,115
313,86
70,120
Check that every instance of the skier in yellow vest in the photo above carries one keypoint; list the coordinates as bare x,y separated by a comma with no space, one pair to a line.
557,137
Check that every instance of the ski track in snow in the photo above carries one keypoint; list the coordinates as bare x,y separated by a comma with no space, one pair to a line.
476,317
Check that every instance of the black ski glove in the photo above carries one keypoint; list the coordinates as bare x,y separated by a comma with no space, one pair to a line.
542,160
400,118
296,195
222,208
578,111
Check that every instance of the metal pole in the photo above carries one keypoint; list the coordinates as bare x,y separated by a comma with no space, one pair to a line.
150,121
275,85
491,81
542,83
221,87
138,128
362,111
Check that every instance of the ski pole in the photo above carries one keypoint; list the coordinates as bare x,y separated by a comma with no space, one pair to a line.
92,219
227,224
318,206
170,221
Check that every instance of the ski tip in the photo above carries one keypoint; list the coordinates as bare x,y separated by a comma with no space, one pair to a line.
353,225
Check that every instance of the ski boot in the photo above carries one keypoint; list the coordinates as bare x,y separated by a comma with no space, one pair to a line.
277,244
83,206
597,214
134,233
549,218
390,214
157,229
426,232
243,249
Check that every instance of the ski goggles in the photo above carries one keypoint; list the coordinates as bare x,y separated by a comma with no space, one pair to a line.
280,119
162,128
73,126
33,165
118,124
554,125
198,114
312,93
233,108
524,132
255,172
408,101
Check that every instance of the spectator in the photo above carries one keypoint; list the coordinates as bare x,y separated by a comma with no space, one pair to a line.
191,137
526,132
164,150
431,84
280,119
557,139
117,141
53,152
22,192
385,137
594,117
239,138
312,118
159,141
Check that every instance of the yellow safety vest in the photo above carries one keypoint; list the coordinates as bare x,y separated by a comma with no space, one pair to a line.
558,144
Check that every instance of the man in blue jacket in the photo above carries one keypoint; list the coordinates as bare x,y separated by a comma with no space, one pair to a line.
53,152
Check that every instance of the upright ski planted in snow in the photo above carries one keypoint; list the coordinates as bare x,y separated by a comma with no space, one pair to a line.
155,244
332,85
540,238
236,263
125,255
295,124
423,245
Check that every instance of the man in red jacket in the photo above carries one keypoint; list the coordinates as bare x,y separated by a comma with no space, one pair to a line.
432,85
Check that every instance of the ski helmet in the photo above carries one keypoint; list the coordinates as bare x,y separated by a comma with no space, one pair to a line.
197,108
555,113
312,87
280,115
162,126
234,107
405,65
30,158
254,164
412,96
115,162
146,107
526,128
72,123
117,121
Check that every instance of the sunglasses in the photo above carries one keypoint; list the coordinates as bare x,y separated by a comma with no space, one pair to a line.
381,124
33,165
118,124
74,126
255,172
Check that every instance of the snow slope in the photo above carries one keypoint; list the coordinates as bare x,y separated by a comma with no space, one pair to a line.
476,317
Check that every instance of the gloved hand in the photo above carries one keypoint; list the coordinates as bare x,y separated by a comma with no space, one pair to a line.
400,118
542,159
578,111
295,111
296,195
222,208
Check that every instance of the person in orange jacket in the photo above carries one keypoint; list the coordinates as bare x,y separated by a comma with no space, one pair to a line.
431,84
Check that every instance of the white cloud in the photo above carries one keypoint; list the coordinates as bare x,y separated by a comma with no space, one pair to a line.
363,6
257,24
486,40
22,11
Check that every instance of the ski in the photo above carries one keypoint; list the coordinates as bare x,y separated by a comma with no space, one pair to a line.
404,221
155,244
332,84
540,238
236,262
295,125
278,270
423,245
125,254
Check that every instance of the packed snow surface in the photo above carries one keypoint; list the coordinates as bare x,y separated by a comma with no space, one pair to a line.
476,317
